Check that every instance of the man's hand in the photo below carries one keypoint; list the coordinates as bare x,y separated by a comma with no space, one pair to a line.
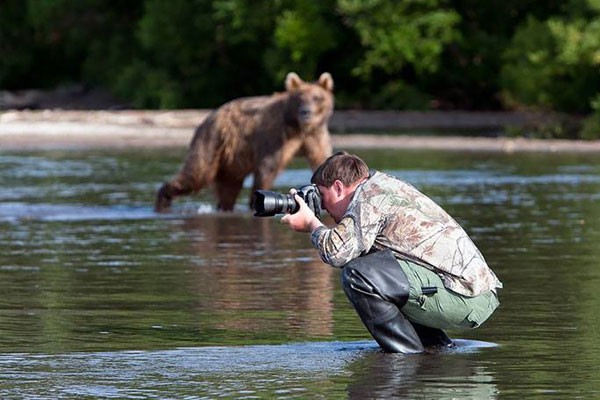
304,220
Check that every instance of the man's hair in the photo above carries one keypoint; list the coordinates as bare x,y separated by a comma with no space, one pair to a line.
342,166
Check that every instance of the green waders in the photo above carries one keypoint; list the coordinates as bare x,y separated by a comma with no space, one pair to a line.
405,306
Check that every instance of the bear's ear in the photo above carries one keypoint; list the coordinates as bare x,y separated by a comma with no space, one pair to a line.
292,81
326,81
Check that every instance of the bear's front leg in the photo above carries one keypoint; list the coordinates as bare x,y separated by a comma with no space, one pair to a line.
180,186
227,192
317,147
263,180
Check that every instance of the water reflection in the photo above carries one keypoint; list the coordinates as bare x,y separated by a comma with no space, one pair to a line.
355,370
100,297
18,211
251,266
444,375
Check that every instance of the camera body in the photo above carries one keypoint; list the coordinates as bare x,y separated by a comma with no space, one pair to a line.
268,204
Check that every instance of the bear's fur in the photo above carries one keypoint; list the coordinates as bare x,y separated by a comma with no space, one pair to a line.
255,135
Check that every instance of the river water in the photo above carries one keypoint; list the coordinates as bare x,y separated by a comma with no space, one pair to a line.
102,298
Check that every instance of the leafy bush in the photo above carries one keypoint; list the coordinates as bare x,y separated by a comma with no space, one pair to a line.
591,124
553,64
384,54
397,34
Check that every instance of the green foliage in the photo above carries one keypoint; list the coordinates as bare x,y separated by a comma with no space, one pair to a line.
591,125
170,65
202,53
398,34
398,95
553,64
69,36
15,34
302,35
384,54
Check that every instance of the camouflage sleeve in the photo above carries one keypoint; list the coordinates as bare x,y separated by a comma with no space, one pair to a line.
352,237
339,245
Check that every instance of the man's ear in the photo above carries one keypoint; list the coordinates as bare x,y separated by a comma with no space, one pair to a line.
338,186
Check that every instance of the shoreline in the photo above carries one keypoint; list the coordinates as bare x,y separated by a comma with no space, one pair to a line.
66,129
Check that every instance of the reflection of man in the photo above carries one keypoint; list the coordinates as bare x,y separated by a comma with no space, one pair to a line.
432,376
409,269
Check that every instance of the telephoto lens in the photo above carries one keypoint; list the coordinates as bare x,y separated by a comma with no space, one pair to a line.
269,204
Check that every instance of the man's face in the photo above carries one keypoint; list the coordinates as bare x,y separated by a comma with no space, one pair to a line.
334,199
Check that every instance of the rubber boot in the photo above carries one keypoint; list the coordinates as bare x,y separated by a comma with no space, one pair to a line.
432,337
378,288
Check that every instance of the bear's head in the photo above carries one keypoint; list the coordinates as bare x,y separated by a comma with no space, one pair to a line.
310,104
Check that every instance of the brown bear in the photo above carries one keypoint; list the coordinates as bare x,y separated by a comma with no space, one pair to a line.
255,135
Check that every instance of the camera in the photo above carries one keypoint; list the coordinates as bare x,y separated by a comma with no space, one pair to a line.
268,204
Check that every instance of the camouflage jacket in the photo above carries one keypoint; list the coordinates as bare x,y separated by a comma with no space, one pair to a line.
386,212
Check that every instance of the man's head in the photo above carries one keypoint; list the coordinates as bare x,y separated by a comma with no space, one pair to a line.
337,179
342,166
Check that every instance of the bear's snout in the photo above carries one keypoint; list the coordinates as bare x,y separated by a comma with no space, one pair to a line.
304,113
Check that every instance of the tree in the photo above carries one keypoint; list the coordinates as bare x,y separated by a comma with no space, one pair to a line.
400,40
553,64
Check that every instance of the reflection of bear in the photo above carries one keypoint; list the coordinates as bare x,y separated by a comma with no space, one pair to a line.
244,263
255,135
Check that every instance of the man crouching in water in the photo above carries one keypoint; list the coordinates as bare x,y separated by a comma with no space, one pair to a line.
408,267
